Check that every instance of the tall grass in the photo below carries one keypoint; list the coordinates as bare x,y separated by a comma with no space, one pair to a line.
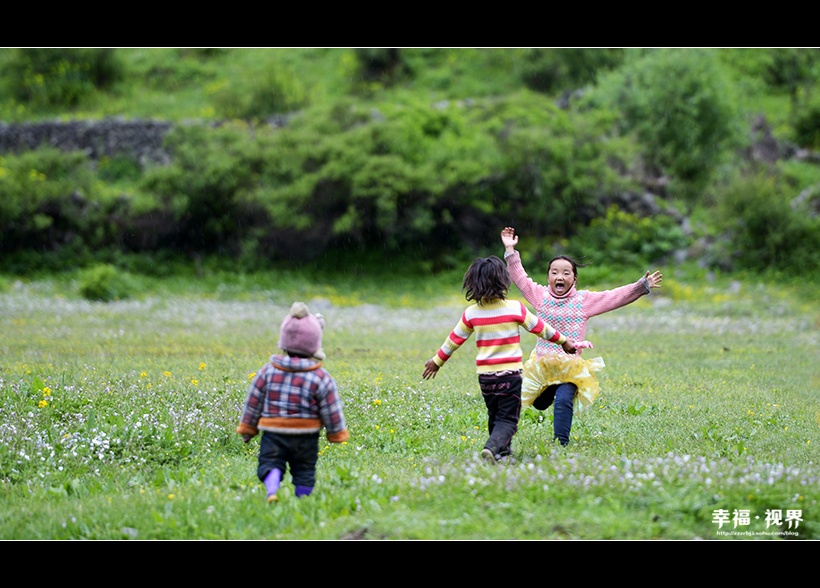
117,419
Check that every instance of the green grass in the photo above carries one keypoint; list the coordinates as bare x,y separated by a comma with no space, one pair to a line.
117,419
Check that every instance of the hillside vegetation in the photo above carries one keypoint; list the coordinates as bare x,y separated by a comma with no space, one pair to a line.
340,156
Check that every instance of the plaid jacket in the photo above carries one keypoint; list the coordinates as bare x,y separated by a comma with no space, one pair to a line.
292,396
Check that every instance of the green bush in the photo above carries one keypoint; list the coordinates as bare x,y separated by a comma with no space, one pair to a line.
117,169
269,92
428,178
44,77
199,192
807,125
385,65
551,70
51,199
761,228
682,108
104,283
621,238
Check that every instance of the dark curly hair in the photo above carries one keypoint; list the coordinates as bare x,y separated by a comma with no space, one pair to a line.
486,280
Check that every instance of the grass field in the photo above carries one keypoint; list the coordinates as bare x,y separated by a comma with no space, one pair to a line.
118,420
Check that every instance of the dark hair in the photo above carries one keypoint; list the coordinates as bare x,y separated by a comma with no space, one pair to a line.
487,279
575,264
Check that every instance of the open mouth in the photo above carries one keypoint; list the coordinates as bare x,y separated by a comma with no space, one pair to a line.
560,287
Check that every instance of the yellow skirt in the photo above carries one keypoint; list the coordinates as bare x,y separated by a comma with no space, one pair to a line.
548,370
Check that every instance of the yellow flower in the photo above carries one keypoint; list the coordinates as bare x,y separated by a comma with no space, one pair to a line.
377,402
46,391
171,497
42,403
143,374
202,366
195,382
251,375
166,374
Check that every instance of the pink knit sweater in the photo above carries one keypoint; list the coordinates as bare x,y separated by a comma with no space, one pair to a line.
569,313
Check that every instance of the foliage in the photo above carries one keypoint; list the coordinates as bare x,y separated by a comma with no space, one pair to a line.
807,125
628,240
51,200
410,176
424,156
681,108
383,65
259,96
561,69
200,190
794,69
763,229
104,283
47,77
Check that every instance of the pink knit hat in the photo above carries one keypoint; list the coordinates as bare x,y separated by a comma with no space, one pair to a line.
301,332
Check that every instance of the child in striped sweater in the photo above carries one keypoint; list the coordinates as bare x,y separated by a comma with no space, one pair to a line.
551,376
499,359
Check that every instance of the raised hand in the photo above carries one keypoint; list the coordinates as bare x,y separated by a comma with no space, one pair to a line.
509,238
654,279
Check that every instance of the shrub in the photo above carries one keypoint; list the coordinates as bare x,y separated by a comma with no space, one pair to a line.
272,91
760,228
200,190
807,125
44,77
552,69
104,283
682,108
383,65
622,238
50,199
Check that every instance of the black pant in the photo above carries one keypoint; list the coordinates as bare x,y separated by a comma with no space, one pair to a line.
502,395
300,452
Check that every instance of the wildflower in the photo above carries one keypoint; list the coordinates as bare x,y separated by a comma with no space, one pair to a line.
194,382
42,404
202,366
251,375
46,391
166,374
377,402
143,374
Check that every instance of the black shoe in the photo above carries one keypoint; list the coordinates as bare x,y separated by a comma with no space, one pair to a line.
488,456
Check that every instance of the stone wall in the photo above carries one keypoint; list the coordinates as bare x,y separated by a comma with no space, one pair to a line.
140,139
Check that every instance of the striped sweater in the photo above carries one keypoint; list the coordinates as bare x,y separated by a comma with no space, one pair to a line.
497,338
